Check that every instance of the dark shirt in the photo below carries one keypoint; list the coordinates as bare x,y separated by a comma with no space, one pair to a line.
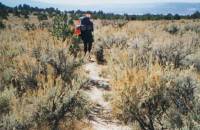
86,35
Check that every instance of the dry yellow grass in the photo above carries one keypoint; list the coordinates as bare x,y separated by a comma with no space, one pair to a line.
26,58
156,52
139,54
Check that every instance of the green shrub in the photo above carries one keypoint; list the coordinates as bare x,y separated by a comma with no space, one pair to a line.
4,104
42,17
29,26
99,55
44,25
172,29
5,97
74,48
25,14
2,26
61,28
7,75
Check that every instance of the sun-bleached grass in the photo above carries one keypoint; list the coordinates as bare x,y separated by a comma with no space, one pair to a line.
153,67
155,77
146,93
44,80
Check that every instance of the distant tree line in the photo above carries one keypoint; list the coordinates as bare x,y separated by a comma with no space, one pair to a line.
25,10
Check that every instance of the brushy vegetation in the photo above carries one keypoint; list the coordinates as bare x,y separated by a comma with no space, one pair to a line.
154,69
2,26
156,97
100,55
29,26
40,82
172,29
42,17
62,27
155,74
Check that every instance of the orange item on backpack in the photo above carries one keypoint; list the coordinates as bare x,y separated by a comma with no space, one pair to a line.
77,27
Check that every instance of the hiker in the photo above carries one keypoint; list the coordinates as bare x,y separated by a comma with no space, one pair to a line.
85,32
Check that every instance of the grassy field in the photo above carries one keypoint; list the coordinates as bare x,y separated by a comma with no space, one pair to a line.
154,70
153,67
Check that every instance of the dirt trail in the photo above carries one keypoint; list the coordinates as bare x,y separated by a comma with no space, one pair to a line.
101,115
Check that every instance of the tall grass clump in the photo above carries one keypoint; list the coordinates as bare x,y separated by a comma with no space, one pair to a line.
154,96
154,68
40,83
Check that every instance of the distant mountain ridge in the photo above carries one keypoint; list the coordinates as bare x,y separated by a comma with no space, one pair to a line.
152,8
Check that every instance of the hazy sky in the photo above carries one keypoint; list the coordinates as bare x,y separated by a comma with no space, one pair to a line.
92,2
116,6
86,2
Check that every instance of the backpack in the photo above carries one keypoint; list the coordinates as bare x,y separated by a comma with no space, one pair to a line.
77,30
86,24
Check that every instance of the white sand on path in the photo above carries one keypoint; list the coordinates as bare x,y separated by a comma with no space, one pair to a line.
101,115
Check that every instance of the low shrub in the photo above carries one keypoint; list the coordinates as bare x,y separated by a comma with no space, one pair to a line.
99,55
44,82
74,48
5,105
42,17
29,26
175,51
48,90
192,60
44,25
152,96
192,27
114,40
172,29
2,26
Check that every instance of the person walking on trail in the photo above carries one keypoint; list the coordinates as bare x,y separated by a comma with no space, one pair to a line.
85,32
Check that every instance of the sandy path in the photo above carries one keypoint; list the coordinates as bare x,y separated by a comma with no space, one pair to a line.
101,115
